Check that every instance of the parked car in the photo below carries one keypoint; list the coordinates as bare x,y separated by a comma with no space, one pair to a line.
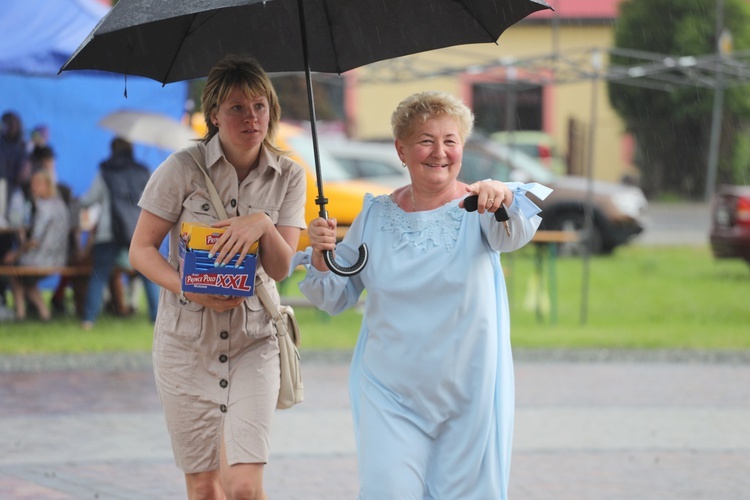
370,161
730,223
536,144
618,211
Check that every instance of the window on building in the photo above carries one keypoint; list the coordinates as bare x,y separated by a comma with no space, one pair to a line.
493,101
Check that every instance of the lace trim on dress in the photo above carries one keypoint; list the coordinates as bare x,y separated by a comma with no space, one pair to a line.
435,227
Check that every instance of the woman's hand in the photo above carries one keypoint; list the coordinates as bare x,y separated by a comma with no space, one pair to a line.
492,194
322,234
239,237
218,303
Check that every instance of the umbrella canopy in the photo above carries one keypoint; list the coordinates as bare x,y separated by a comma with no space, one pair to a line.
173,40
153,129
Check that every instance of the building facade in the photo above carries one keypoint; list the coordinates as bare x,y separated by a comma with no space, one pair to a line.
520,83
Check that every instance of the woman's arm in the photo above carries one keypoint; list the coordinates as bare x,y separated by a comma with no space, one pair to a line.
523,222
144,253
95,193
146,258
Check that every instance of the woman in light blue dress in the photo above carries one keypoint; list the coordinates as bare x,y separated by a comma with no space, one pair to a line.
431,380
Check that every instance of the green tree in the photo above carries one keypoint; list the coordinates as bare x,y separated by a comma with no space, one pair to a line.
672,128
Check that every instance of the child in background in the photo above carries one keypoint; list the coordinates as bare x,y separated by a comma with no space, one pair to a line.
47,244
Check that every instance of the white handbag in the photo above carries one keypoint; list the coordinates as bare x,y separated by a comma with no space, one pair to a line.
291,390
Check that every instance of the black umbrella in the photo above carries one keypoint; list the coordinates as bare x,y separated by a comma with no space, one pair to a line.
173,40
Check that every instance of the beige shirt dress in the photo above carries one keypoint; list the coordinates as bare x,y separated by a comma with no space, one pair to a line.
219,370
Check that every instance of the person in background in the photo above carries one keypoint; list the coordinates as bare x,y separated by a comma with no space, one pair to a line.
47,244
431,380
43,158
216,358
13,157
117,187
39,138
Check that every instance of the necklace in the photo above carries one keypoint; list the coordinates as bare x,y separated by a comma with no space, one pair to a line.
414,205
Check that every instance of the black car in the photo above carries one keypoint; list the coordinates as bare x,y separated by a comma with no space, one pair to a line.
730,223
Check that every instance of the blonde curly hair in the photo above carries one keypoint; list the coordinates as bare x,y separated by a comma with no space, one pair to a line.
423,106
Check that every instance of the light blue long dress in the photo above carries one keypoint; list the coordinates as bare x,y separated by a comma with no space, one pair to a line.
431,380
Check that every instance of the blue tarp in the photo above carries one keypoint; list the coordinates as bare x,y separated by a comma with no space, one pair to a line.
38,37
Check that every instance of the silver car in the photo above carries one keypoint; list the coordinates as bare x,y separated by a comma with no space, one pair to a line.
618,210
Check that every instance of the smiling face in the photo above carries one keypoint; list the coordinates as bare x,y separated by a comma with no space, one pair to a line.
432,152
242,121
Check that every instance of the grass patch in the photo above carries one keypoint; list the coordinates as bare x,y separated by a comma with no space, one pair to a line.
644,297
640,297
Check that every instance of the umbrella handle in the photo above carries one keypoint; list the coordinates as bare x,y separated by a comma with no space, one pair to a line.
351,270
328,254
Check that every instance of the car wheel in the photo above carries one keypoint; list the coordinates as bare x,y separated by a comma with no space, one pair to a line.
574,222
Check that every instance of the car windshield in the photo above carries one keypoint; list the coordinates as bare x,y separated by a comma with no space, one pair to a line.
521,161
332,170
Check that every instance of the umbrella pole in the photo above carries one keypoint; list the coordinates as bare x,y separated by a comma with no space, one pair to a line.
321,200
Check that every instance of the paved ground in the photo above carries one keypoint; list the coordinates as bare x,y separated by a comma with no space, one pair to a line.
592,426
676,224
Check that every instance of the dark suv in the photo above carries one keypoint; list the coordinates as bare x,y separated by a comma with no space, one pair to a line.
730,223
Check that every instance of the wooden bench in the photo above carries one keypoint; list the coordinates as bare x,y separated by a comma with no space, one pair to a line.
41,271
552,236
79,278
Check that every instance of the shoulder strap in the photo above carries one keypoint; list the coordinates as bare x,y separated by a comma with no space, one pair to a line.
265,298
215,198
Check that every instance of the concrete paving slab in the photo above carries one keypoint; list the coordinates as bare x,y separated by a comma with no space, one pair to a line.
584,430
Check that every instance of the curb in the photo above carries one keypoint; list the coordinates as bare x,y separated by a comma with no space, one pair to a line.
134,361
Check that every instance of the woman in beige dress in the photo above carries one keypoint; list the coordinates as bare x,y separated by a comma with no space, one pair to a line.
216,357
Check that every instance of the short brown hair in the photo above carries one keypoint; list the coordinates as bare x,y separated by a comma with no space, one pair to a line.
246,74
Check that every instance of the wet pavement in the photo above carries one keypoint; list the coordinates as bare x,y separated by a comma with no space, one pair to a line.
670,224
587,427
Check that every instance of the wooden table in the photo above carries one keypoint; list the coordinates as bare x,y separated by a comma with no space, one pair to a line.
546,243
78,276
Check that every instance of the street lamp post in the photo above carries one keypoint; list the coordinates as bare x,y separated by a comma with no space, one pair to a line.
723,48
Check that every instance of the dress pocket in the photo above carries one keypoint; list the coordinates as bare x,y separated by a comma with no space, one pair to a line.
200,208
271,212
183,322
258,321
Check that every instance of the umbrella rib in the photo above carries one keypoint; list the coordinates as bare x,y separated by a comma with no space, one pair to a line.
191,28
468,11
330,35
